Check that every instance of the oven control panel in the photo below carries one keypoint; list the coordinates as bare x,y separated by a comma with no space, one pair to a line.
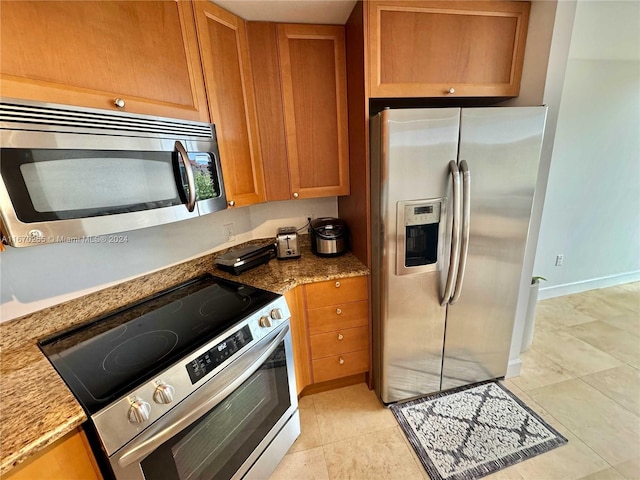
218,354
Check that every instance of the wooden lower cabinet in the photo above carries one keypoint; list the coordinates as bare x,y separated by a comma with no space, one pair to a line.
330,331
69,458
337,315
299,338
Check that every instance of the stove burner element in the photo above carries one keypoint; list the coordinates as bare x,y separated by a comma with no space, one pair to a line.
140,351
225,304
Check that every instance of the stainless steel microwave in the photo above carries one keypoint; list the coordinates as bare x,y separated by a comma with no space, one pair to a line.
70,173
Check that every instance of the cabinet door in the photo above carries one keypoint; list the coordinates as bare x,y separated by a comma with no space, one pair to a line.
91,53
69,458
313,76
263,48
223,44
435,48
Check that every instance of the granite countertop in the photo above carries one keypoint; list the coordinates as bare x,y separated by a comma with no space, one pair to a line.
37,408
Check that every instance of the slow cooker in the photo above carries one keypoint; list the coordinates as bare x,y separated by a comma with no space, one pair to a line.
329,237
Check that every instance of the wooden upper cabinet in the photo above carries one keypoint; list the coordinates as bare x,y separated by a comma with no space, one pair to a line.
91,53
453,48
300,79
263,48
222,37
314,96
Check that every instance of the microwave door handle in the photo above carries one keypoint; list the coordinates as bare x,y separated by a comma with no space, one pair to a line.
466,219
200,402
184,157
455,234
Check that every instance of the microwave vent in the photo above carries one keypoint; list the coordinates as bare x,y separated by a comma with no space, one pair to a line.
27,115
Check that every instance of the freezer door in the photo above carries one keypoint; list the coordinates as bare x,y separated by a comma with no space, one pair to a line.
502,149
410,186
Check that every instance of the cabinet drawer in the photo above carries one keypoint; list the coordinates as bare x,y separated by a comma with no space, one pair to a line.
341,341
329,368
334,292
335,317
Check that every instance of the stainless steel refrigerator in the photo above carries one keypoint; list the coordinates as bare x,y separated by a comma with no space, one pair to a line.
451,197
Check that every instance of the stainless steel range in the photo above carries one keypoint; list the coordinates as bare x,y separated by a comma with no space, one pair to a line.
194,383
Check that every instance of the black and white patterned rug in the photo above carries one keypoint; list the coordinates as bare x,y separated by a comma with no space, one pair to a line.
473,431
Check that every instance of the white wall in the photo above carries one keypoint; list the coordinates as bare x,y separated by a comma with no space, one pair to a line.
550,27
37,277
592,206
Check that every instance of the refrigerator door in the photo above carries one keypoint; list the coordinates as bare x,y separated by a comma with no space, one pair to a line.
411,151
502,149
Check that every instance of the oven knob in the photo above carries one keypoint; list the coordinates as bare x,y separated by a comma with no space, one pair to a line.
265,322
139,411
163,394
276,314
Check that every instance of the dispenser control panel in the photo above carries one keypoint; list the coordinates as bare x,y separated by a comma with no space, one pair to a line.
424,214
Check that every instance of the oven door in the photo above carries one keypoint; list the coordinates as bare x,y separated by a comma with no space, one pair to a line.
221,430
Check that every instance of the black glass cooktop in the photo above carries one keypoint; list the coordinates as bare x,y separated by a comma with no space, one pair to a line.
103,360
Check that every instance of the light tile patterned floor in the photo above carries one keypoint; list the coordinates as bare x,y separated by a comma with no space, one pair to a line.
581,375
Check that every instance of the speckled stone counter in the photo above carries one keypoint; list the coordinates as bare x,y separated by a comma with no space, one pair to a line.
37,408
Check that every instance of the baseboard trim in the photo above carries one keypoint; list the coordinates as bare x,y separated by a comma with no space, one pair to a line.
584,285
513,368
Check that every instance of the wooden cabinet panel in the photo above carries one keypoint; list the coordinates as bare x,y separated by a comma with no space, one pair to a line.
335,317
90,53
335,292
69,458
341,341
299,338
312,80
225,60
343,365
338,325
426,48
300,79
263,47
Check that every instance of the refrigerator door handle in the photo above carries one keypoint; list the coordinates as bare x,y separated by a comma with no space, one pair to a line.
455,234
466,214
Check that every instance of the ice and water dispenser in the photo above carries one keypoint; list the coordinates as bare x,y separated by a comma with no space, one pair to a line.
419,240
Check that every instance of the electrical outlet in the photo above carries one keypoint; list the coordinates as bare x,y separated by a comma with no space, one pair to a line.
308,217
559,260
229,231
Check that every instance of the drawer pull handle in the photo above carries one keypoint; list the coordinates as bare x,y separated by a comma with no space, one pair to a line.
340,336
338,311
337,284
341,361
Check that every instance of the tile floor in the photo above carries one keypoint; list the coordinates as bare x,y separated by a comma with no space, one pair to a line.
581,375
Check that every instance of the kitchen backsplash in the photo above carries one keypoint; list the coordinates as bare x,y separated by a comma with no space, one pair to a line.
34,278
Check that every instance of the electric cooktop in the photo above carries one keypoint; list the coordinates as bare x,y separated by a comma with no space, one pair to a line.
106,358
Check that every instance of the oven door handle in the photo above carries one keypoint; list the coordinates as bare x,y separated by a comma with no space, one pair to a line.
200,403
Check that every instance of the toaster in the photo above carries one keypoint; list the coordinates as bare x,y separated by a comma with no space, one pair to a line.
287,243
